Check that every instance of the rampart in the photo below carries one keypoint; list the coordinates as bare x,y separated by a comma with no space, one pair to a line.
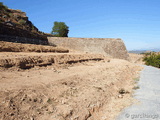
106,46
18,39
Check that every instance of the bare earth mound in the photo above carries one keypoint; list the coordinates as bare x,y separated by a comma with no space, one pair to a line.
18,47
29,60
64,86
90,91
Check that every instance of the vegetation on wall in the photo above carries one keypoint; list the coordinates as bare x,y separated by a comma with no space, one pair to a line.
22,22
152,59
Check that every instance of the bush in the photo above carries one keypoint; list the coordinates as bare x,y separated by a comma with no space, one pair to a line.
152,59
21,21
10,14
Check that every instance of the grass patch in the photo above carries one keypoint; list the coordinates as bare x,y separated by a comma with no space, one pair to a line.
136,87
136,79
50,112
49,101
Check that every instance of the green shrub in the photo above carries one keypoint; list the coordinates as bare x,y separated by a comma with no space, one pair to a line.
10,14
152,59
21,21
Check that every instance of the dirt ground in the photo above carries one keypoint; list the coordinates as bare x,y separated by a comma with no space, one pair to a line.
85,88
23,60
136,58
19,47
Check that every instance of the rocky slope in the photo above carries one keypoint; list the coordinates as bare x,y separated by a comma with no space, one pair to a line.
16,18
16,23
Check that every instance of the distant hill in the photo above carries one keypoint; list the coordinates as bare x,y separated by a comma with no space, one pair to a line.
138,51
144,51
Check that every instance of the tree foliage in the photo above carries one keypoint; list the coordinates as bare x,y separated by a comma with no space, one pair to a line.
152,59
60,29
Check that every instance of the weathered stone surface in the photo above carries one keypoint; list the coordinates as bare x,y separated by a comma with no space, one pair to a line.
18,39
106,46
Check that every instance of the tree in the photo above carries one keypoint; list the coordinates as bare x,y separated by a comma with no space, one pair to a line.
60,29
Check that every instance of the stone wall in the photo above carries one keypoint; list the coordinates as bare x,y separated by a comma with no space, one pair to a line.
106,46
11,30
22,40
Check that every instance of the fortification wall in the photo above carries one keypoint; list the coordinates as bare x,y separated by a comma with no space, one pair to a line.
11,30
106,46
22,40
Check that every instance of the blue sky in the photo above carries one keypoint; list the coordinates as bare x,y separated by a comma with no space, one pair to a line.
137,22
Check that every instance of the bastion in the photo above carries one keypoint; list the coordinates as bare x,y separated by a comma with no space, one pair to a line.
114,48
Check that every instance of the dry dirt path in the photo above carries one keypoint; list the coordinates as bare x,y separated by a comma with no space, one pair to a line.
85,91
148,107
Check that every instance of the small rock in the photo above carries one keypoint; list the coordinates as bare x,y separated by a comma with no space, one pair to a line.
32,118
120,96
63,101
12,114
122,91
35,100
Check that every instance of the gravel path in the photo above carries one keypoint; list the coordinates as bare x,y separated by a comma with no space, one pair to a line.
148,95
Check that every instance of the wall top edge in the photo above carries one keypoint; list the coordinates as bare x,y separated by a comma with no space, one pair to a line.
85,38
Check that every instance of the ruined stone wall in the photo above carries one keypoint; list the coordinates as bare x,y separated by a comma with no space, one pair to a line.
10,30
106,46
18,39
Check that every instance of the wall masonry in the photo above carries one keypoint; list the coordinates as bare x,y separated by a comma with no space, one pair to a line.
106,46
22,40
